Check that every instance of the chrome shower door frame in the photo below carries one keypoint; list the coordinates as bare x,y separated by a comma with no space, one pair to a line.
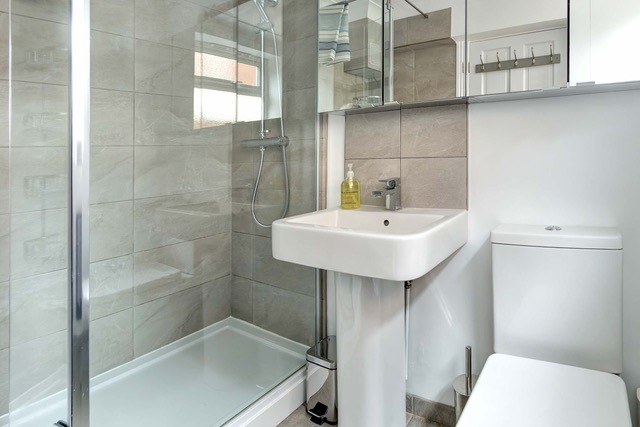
78,256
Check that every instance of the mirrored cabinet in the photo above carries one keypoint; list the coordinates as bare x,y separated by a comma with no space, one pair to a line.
382,52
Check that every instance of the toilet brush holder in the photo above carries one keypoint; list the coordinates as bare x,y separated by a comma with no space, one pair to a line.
463,385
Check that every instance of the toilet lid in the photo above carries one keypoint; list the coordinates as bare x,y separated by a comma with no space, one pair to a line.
514,391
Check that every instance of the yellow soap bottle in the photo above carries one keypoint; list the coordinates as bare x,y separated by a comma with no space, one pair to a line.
350,191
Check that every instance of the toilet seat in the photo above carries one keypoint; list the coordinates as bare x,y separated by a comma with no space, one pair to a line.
518,392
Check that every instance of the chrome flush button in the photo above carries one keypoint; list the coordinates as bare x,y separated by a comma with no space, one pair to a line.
553,228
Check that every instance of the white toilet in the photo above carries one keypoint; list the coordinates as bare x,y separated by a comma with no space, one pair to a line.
557,297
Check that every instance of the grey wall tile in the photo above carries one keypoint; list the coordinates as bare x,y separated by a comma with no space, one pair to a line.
434,412
111,61
373,136
4,317
243,178
437,76
173,219
170,22
4,381
242,299
5,106
299,19
38,178
4,46
437,26
404,67
173,170
39,50
165,320
283,312
5,247
111,341
216,301
183,79
38,242
300,65
153,67
111,117
111,284
111,230
33,377
434,183
38,306
169,269
284,275
111,174
368,172
113,16
5,181
39,115
434,131
400,32
242,259
50,10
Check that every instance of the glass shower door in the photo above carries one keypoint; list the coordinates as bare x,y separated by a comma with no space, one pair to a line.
34,143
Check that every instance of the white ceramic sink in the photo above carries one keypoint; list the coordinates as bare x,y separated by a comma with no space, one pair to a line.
370,241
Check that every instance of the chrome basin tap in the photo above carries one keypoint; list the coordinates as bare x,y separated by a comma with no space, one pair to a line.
391,194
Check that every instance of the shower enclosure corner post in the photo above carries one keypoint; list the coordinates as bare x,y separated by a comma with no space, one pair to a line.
78,259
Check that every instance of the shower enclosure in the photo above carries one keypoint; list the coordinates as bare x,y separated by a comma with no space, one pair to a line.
136,286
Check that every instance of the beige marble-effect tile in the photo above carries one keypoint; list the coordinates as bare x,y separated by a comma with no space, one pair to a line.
434,183
216,301
373,136
434,131
39,51
164,320
111,117
111,61
170,269
437,76
33,377
300,65
242,298
5,181
5,306
5,247
38,306
369,172
168,220
112,16
4,46
111,230
284,275
153,67
38,242
38,178
111,342
4,381
111,174
161,171
285,313
39,115
170,22
111,284
242,259
437,26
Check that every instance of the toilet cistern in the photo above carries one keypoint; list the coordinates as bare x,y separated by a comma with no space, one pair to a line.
391,193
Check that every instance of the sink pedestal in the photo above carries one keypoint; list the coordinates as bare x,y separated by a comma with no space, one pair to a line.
371,357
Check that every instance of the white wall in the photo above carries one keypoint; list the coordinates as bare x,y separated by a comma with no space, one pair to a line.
567,160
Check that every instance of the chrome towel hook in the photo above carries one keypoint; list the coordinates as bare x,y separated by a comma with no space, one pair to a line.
515,58
550,53
499,63
533,56
481,62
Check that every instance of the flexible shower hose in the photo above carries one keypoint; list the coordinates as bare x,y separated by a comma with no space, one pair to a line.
262,150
